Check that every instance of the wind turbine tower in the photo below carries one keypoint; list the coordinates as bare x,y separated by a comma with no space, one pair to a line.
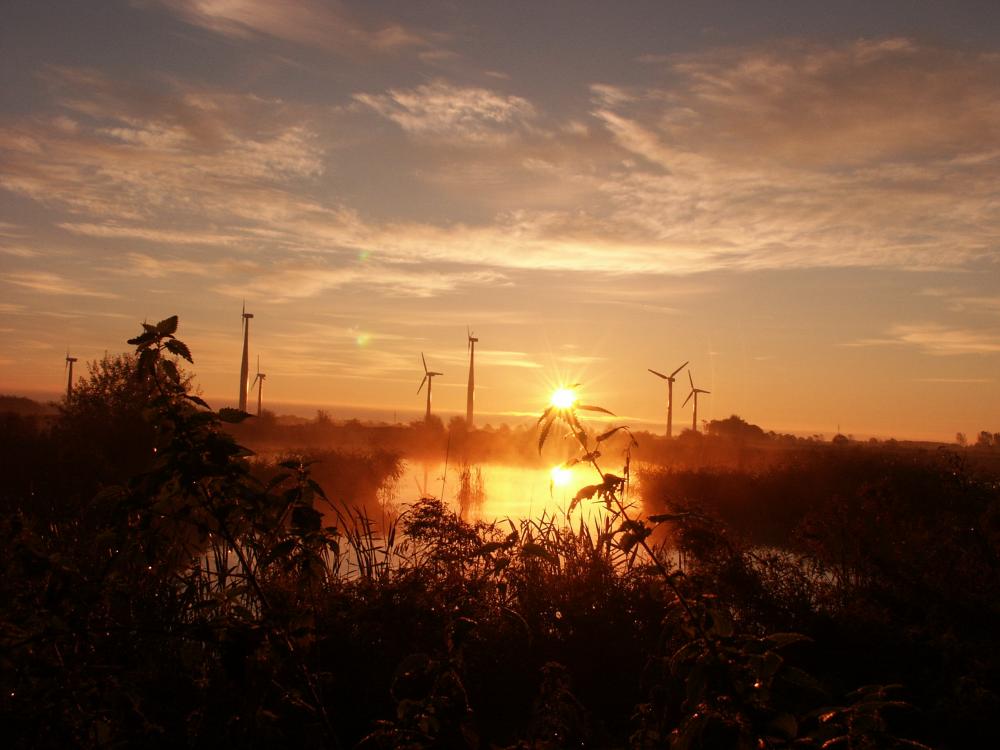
259,382
245,366
670,396
694,392
429,379
69,381
470,398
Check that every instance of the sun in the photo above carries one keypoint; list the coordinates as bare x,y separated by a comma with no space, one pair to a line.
563,398
561,476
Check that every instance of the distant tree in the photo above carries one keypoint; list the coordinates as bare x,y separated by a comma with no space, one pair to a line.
735,428
985,439
961,439
104,425
840,439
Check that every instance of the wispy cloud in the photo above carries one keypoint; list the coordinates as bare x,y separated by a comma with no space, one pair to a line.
50,283
937,339
281,284
440,109
328,25
713,169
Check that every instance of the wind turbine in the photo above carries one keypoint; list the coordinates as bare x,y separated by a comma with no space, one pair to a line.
245,366
670,396
470,398
429,379
259,378
694,392
69,381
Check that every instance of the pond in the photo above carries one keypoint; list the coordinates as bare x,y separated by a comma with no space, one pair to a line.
491,491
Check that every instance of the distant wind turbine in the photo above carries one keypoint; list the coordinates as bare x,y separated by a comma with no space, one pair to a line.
245,366
69,381
429,379
259,382
470,398
694,392
670,396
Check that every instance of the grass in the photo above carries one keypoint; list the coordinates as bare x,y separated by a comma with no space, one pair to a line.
206,599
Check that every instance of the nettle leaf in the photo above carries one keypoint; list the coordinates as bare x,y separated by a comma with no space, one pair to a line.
233,416
145,365
545,433
605,435
167,326
171,369
143,338
178,347
197,400
306,518
585,493
317,489
589,407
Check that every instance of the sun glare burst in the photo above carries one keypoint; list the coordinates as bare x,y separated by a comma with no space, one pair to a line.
561,476
563,398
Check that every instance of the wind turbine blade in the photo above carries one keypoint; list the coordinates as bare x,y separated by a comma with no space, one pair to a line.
659,374
679,369
424,361
687,399
704,391
690,380
422,384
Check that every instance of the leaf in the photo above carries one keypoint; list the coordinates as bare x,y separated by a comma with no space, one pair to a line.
142,338
605,435
171,369
545,413
780,640
306,518
489,548
281,549
167,326
585,493
661,517
178,347
145,365
233,416
544,434
532,549
276,480
197,400
588,407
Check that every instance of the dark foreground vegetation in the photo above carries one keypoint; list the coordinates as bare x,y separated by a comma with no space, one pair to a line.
159,587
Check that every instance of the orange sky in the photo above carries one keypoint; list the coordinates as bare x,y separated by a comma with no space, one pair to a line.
802,201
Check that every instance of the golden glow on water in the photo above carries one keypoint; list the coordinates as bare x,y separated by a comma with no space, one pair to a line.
508,491
563,398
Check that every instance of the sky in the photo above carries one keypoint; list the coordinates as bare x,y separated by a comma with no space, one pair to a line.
799,198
